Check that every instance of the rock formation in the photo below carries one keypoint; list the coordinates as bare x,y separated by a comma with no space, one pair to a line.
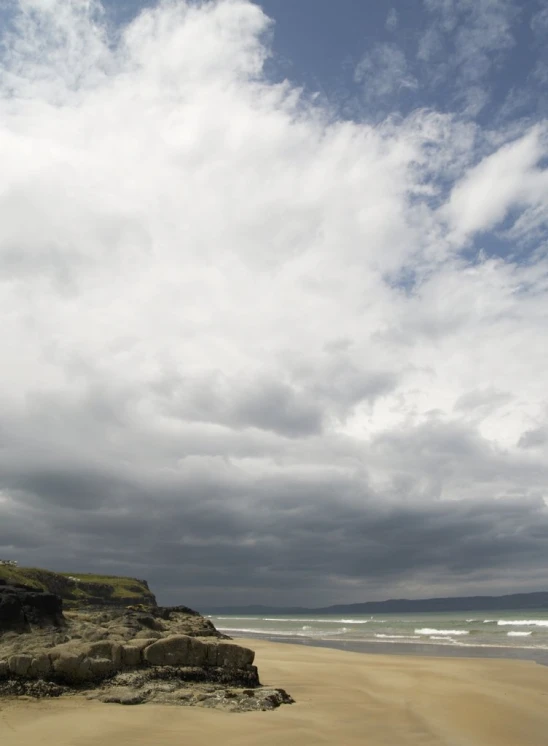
82,589
21,607
127,655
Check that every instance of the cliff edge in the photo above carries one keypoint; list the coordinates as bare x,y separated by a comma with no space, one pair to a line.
80,589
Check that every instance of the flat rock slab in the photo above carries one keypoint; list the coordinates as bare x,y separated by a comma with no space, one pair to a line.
231,700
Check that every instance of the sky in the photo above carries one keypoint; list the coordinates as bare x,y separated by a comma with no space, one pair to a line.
274,296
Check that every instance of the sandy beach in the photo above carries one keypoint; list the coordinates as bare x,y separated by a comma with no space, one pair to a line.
341,698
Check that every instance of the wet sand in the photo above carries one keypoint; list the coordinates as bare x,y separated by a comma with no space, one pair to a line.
539,655
343,698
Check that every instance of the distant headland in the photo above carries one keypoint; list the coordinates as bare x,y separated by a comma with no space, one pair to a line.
402,605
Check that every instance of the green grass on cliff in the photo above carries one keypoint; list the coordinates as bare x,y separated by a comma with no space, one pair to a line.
122,587
20,575
107,588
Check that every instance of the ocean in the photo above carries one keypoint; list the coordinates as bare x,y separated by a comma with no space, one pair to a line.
511,634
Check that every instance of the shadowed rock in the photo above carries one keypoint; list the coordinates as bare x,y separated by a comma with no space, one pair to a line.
22,607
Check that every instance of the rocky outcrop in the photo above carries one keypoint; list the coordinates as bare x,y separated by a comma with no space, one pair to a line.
134,655
22,607
79,590
77,663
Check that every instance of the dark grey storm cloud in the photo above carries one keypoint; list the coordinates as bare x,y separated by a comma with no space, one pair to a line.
205,544
265,404
208,534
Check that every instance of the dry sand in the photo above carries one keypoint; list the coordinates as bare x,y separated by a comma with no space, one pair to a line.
342,698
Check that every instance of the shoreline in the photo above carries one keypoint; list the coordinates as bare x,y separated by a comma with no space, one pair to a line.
418,649
341,697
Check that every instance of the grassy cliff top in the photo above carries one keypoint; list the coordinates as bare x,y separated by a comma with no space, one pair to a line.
84,589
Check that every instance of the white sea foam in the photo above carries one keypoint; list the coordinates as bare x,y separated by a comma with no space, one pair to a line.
263,632
519,634
398,637
448,632
255,631
304,632
445,638
523,623
237,618
320,621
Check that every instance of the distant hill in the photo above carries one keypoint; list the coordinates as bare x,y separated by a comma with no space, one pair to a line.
515,601
81,589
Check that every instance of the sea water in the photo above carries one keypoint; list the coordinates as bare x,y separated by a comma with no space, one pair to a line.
509,630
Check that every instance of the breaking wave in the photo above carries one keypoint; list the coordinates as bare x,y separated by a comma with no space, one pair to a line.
273,633
321,621
398,637
523,623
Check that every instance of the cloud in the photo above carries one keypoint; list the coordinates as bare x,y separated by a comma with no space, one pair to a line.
246,351
464,44
454,55
383,73
534,438
539,27
392,19
265,404
503,180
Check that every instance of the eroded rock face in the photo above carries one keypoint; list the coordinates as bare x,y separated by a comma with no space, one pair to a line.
131,655
22,607
177,669
76,662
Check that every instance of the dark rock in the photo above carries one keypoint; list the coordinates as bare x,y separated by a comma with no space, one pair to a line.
144,620
131,689
22,607
176,609
16,687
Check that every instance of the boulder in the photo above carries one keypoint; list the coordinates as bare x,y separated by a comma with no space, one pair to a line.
170,651
76,662
147,634
106,649
71,667
211,657
4,670
96,634
182,650
197,652
20,664
141,642
41,666
100,668
131,656
148,621
234,656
